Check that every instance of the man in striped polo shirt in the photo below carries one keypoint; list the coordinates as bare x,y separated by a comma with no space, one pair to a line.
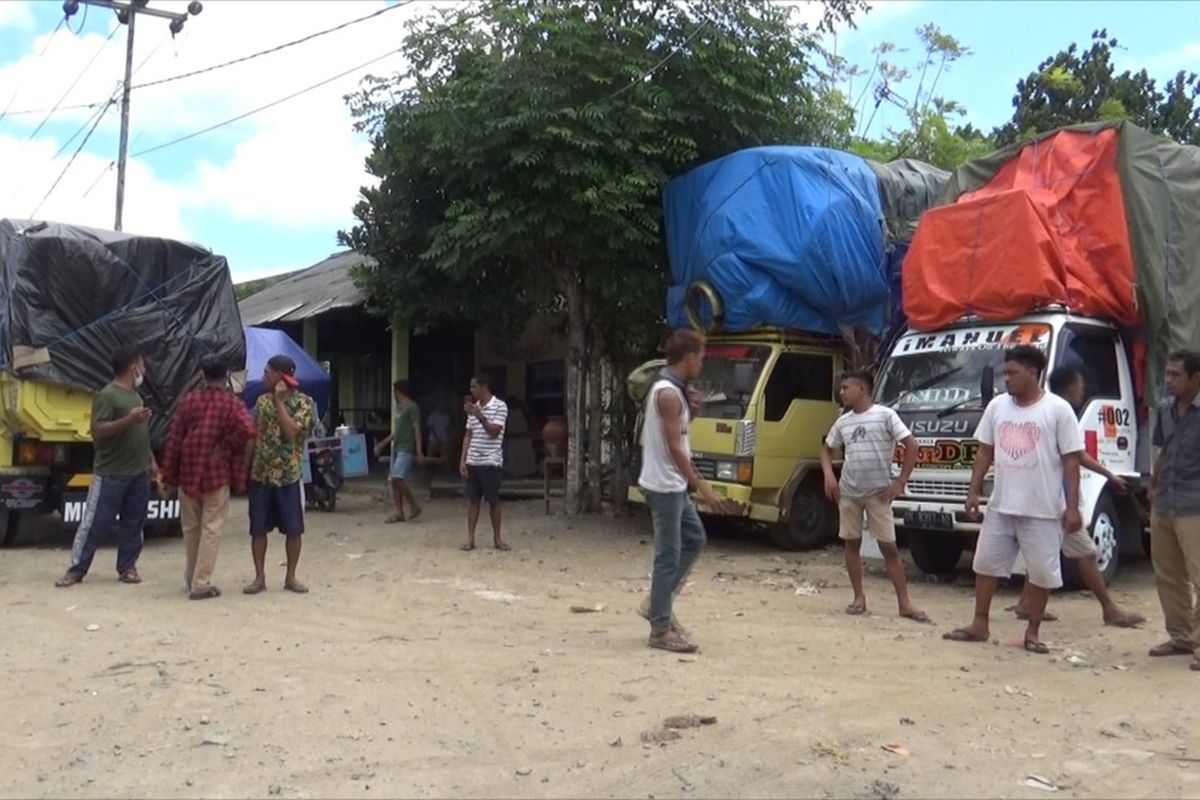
482,461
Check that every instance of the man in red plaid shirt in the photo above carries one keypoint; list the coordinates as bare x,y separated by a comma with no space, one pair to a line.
206,457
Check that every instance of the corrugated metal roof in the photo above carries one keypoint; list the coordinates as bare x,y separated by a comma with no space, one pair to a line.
321,288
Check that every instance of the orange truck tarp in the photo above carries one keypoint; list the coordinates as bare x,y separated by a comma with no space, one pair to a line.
1103,219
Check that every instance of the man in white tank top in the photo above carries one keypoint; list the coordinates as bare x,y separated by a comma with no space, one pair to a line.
666,478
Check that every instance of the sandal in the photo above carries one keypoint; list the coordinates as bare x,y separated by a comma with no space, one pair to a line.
468,547
672,642
1126,620
130,576
963,635
856,609
676,626
205,594
1170,648
393,519
917,615
1034,646
69,579
503,547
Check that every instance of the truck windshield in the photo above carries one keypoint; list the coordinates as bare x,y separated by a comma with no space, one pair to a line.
729,377
940,371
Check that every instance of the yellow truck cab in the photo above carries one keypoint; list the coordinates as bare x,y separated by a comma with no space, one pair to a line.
770,396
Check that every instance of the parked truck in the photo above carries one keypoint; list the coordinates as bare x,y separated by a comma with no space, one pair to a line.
1084,243
69,296
785,257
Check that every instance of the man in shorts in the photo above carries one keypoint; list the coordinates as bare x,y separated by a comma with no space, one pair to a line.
1033,438
284,417
406,451
868,435
482,462
1068,383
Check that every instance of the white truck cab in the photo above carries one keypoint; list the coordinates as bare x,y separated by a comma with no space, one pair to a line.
940,381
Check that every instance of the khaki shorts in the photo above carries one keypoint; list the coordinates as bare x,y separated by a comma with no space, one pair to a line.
1079,544
1038,540
876,510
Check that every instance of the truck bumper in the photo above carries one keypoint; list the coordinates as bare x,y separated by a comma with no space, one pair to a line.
756,512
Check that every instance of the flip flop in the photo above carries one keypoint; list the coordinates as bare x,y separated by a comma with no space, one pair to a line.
855,610
1129,620
1033,646
466,548
70,579
393,519
130,577
1171,648
1024,617
503,547
918,616
963,635
297,587
254,588
205,594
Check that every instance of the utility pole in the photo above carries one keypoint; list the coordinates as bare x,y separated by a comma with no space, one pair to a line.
127,15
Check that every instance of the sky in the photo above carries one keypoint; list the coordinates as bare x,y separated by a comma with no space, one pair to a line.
271,191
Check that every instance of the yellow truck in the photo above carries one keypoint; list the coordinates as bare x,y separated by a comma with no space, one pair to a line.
69,296
770,396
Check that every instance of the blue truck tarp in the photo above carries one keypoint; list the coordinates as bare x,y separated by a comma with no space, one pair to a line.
804,238
264,343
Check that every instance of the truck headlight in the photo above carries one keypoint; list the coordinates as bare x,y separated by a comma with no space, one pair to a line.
726,471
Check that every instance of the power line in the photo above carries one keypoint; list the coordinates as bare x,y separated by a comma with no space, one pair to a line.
82,144
74,83
261,108
649,73
21,83
87,122
270,50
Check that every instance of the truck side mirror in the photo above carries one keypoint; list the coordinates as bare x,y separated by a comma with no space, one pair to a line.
987,385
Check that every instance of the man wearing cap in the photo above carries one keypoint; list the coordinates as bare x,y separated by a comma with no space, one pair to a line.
283,416
211,435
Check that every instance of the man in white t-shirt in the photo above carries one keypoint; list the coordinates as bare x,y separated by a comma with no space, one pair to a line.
482,463
1033,438
868,434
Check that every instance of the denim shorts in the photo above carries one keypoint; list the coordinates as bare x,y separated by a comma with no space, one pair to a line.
402,463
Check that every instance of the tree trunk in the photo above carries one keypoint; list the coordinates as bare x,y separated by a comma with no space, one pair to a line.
595,431
577,442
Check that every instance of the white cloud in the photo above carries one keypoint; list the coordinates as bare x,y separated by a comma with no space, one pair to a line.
1165,65
298,165
16,14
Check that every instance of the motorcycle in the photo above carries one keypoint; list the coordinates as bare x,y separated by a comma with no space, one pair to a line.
321,490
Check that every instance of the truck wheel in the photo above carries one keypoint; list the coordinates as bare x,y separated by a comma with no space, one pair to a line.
934,552
1106,533
810,523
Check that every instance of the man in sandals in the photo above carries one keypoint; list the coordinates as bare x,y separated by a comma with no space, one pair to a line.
666,477
211,436
482,463
1175,516
1069,384
124,472
284,416
1033,438
406,443
868,434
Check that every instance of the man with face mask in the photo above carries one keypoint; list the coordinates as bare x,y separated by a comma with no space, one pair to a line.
123,473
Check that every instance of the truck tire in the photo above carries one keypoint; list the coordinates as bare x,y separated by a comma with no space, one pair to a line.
811,523
935,552
1106,531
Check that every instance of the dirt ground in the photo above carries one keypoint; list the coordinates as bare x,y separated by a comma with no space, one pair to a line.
413,669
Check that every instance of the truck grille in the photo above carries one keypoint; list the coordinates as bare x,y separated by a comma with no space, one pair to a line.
928,488
706,468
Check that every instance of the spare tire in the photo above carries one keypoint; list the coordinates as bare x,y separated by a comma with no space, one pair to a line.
698,292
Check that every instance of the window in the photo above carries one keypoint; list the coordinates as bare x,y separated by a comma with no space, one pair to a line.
797,376
1095,356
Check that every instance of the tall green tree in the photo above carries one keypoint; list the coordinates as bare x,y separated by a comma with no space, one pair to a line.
1079,85
521,157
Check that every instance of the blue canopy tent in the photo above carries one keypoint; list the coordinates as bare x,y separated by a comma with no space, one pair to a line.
264,343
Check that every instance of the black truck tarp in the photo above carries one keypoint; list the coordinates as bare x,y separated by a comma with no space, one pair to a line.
70,296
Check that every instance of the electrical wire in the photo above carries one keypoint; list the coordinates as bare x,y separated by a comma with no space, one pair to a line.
648,74
62,148
71,161
21,83
264,107
270,50
82,21
74,83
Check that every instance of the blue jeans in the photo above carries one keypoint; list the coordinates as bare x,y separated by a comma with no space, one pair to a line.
112,503
678,540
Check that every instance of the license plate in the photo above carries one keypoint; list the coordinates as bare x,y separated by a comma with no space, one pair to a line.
929,520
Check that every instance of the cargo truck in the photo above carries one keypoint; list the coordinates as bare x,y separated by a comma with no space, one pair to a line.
69,296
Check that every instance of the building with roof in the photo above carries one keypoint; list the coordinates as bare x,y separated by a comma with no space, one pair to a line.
322,308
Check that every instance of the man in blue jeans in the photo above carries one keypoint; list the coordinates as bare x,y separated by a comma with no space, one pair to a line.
666,478
123,472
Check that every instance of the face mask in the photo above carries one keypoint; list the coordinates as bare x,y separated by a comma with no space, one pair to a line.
138,379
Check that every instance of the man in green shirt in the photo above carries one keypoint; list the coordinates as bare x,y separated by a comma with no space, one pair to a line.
123,472
406,450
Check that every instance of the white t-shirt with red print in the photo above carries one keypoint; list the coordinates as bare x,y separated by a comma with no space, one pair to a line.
1029,443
